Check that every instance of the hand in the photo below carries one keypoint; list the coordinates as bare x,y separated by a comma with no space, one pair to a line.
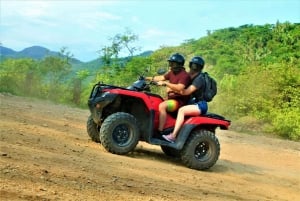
180,92
161,83
149,78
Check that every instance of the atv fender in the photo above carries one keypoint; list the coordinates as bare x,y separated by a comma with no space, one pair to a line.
203,120
105,99
96,105
197,122
183,135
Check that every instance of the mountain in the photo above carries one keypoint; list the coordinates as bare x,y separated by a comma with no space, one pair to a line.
34,52
146,53
6,51
38,53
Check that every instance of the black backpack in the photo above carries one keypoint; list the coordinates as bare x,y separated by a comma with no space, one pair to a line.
210,89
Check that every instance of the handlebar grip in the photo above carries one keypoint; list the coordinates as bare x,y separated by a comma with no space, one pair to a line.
153,82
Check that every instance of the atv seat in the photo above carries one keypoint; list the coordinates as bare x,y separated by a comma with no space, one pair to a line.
212,115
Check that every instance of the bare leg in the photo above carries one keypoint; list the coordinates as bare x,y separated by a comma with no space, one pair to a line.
162,115
188,110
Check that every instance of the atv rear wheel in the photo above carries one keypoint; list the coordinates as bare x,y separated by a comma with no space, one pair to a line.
169,151
119,133
201,150
93,129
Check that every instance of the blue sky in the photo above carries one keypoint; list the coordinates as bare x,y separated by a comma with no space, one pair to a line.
85,26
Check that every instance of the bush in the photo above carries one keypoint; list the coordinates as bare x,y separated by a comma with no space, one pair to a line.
287,123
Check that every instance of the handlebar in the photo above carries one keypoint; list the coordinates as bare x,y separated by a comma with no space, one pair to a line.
153,83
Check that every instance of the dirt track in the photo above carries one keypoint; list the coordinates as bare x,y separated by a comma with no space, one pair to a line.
46,155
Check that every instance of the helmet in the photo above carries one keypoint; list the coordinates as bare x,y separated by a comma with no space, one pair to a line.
176,62
178,58
198,63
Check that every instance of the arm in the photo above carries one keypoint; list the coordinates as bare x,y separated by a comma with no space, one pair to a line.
156,78
188,91
174,87
176,83
197,83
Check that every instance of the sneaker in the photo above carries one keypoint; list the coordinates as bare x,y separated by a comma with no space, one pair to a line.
169,138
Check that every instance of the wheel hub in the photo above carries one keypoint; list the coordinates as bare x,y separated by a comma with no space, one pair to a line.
202,151
121,134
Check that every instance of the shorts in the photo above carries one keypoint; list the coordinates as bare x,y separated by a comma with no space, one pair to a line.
202,105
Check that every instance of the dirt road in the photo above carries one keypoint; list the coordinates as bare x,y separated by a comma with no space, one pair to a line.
46,155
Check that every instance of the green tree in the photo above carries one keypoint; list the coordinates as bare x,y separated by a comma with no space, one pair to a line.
113,64
55,71
120,43
77,85
20,76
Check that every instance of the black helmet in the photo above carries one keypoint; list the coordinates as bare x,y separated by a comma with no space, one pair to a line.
199,63
178,58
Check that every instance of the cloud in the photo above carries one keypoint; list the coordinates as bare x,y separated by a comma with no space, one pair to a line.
154,38
95,20
153,32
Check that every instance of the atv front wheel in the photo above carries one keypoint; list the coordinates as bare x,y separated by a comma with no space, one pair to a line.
201,150
93,129
119,133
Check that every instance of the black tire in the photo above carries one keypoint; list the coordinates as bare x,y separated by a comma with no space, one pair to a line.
93,129
119,133
201,150
169,151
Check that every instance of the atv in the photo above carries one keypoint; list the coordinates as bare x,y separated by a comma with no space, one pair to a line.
121,117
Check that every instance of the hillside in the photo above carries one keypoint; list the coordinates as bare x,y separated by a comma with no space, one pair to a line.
46,155
33,52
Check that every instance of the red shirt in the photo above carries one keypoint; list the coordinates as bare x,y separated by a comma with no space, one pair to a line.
181,77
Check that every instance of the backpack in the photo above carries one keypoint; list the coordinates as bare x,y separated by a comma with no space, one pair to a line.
210,89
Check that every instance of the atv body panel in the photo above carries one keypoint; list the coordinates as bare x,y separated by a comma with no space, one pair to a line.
142,105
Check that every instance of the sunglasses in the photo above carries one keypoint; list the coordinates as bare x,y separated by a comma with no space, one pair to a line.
172,64
193,66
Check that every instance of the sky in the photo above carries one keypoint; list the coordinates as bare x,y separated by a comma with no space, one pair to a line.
86,26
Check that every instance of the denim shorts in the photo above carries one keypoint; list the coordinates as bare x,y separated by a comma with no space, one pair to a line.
202,105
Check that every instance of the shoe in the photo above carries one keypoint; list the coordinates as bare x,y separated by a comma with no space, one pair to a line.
169,138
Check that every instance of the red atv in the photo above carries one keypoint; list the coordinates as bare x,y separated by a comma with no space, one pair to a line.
121,117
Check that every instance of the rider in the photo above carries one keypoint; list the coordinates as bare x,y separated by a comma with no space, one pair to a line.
196,89
175,80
